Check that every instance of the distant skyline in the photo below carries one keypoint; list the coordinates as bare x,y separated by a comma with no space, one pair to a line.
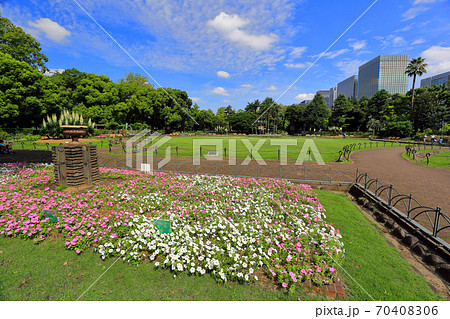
229,53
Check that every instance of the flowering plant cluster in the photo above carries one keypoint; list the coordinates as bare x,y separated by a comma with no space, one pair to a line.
233,228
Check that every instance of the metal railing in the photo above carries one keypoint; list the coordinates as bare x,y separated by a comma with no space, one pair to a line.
349,148
431,222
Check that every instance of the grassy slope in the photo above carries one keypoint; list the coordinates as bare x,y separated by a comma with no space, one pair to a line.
377,267
438,160
37,272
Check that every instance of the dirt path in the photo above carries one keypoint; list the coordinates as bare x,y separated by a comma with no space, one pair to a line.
429,185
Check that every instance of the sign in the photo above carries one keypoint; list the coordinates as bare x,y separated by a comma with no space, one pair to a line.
51,215
163,226
213,154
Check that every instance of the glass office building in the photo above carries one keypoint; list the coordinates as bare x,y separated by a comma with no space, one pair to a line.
348,87
333,96
326,96
437,79
383,72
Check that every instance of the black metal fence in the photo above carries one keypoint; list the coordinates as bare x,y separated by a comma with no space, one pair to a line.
430,221
349,148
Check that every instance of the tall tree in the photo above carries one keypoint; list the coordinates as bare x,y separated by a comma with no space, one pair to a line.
415,67
317,113
378,103
26,95
20,45
341,112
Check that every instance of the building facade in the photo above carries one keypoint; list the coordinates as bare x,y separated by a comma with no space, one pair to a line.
326,96
383,72
348,87
333,96
436,79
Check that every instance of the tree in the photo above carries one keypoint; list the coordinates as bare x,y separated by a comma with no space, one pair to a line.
294,116
229,111
428,111
26,95
415,67
20,45
378,104
341,112
242,122
374,124
317,113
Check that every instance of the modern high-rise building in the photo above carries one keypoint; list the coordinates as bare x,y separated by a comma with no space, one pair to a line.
436,79
383,72
348,87
333,96
326,96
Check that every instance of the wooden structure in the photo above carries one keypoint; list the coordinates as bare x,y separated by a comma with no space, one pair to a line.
75,164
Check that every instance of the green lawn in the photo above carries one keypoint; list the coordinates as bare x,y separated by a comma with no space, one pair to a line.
438,160
328,147
50,272
375,265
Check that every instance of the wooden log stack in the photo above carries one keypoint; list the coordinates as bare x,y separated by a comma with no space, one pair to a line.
75,164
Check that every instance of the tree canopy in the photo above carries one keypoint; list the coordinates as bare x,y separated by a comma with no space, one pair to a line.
20,45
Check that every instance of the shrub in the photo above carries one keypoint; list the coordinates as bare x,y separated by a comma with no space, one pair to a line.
400,128
51,126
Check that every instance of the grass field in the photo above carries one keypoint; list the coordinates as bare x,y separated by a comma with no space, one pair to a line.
438,160
268,148
50,272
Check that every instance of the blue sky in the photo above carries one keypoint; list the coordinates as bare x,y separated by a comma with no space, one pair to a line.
231,52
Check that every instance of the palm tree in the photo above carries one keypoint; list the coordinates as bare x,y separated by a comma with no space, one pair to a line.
415,67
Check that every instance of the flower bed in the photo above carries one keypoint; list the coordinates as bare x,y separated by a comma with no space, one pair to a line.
232,228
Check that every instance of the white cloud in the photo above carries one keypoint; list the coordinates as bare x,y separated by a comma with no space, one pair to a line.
349,67
220,90
230,28
194,46
418,41
195,99
438,59
398,41
413,12
358,45
297,52
304,96
271,88
246,85
296,65
223,74
332,54
391,40
423,1
51,72
51,29
406,28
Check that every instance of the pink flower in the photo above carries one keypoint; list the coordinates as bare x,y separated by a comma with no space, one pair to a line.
78,251
284,285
